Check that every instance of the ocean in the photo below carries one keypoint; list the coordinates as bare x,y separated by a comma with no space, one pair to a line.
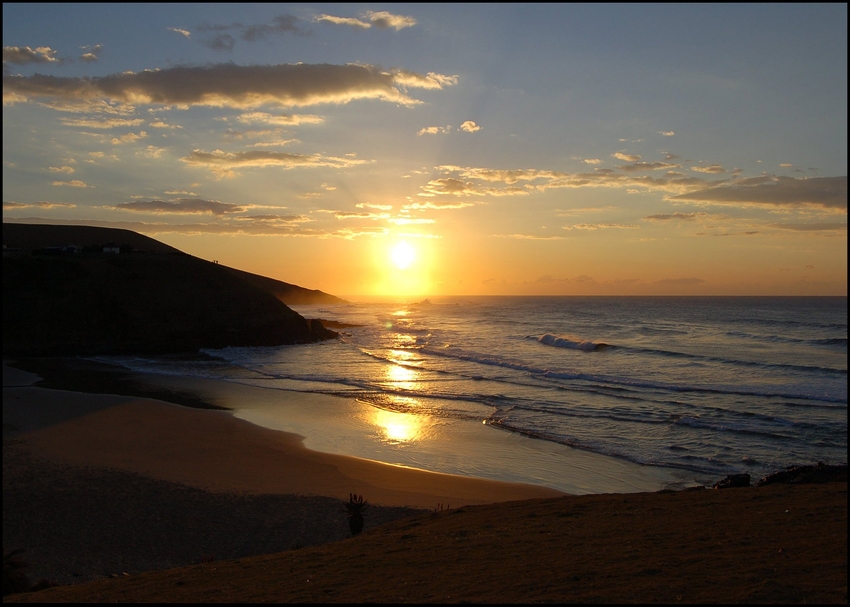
696,387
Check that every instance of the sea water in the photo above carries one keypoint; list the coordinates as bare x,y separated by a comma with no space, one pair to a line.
698,386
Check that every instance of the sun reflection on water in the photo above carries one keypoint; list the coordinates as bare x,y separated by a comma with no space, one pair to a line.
398,428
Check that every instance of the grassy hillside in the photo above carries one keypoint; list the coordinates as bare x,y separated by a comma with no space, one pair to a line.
29,237
150,298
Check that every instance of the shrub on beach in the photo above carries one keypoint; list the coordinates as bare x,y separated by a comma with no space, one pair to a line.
356,506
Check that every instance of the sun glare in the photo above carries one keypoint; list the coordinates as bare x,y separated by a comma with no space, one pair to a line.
402,255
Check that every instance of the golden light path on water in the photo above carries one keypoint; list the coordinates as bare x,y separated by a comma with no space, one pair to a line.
399,427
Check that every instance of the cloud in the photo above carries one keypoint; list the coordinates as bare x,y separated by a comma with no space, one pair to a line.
108,123
74,183
368,205
159,124
264,225
380,19
671,181
648,166
458,187
229,85
11,206
626,157
601,226
91,54
249,33
385,20
151,152
62,169
775,191
509,176
470,127
437,206
430,80
713,169
182,31
809,227
529,237
350,21
666,133
129,138
23,55
406,221
180,206
592,161
223,163
433,130
676,217
282,119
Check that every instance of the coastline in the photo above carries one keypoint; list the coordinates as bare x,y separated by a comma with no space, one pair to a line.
346,427
215,451
98,496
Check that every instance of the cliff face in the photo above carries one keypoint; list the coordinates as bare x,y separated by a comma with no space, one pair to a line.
138,302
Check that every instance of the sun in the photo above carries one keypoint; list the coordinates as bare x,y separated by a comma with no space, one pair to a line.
403,255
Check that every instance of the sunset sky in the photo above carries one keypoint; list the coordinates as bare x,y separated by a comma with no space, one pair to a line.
512,148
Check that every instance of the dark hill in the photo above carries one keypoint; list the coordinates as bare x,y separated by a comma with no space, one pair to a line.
150,298
31,237
28,237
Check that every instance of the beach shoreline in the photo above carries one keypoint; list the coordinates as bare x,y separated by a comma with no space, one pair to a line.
347,427
113,496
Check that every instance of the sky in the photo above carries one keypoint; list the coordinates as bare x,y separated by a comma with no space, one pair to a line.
418,150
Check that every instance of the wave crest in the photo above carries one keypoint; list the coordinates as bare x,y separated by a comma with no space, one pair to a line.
571,343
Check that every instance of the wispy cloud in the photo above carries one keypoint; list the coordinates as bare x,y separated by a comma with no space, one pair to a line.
101,123
180,206
229,85
775,191
437,206
676,217
433,130
11,206
450,186
281,119
74,183
379,19
713,169
350,21
385,20
602,226
648,166
129,138
626,157
809,227
181,31
223,163
222,40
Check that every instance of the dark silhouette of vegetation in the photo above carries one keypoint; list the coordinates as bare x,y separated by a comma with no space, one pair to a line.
356,506
14,579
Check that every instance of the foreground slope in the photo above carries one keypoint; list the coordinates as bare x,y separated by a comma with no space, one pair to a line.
773,544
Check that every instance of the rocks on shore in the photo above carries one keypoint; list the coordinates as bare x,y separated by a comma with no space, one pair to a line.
819,473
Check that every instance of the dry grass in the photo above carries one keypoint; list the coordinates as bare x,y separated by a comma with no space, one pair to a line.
775,544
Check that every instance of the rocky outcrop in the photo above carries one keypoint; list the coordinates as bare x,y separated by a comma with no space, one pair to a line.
819,473
733,480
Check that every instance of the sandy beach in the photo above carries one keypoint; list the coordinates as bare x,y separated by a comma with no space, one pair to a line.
109,486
